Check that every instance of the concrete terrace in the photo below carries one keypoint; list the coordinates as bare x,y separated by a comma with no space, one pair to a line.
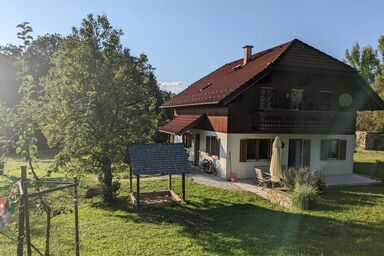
350,180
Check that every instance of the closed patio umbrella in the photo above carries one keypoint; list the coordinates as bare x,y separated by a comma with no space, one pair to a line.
275,166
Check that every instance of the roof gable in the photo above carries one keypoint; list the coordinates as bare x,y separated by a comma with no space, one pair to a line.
232,78
301,54
226,79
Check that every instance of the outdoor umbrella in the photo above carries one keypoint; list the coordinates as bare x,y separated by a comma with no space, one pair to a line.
275,167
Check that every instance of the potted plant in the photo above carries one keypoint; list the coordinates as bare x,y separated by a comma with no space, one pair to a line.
233,176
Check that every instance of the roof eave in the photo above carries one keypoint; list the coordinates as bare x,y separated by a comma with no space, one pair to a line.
379,101
191,104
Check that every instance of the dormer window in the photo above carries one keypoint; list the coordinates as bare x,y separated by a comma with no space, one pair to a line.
237,67
205,87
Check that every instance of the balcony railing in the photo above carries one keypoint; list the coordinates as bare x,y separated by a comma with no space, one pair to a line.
304,121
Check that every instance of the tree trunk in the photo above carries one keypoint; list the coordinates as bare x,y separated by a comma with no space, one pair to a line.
48,232
107,180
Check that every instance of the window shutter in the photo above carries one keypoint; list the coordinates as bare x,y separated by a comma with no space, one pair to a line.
257,149
218,145
342,149
243,150
324,150
307,153
207,144
270,145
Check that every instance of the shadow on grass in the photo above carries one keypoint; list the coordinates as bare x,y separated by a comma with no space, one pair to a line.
373,170
338,199
226,228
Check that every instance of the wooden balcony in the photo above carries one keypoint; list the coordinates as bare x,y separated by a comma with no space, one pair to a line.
291,121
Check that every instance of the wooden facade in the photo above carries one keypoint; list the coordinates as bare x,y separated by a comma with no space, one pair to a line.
318,112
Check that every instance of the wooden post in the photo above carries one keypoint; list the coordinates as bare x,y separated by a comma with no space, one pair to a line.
20,227
130,179
76,205
183,185
24,184
170,182
138,191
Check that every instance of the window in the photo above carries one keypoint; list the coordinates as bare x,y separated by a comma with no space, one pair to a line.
255,149
325,100
266,98
296,97
333,149
187,140
213,146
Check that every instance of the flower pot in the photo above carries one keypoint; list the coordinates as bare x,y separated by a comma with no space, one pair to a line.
233,177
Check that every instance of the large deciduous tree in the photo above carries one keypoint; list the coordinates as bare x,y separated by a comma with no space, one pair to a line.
370,64
98,99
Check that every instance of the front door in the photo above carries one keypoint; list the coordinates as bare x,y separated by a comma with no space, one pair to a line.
299,153
197,150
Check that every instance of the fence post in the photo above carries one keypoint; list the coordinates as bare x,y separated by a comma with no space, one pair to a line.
24,183
138,191
183,185
75,201
20,227
130,178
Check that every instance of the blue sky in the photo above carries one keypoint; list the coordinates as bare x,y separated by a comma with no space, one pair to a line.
186,40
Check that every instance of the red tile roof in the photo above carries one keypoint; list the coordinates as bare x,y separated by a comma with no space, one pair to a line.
227,80
181,123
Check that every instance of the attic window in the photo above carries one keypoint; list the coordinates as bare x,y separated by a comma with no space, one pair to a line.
205,87
237,67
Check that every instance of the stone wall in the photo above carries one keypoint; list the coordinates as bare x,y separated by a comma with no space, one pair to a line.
369,141
279,197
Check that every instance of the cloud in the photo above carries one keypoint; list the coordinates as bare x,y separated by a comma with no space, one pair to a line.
171,86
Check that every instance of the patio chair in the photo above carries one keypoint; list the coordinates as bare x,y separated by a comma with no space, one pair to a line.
263,179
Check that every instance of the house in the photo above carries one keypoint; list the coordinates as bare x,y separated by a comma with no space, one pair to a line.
306,97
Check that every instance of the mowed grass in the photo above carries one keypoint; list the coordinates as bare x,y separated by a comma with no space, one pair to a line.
370,163
347,221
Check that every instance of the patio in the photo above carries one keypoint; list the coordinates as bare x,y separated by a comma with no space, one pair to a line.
350,180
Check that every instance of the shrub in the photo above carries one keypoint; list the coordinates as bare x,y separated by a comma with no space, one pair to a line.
379,170
289,178
304,197
97,190
303,176
91,192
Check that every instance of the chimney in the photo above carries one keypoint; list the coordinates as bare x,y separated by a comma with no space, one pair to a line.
247,53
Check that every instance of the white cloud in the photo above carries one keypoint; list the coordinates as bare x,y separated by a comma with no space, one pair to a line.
171,86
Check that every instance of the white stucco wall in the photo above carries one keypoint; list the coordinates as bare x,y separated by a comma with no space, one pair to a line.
230,143
220,164
328,167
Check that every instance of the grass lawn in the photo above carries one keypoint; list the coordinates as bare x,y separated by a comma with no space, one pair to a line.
348,221
366,163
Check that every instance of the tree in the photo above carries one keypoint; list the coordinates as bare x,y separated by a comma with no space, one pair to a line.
33,55
164,114
26,116
370,64
365,60
6,129
98,99
9,56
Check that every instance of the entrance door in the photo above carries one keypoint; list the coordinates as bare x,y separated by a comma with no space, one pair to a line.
197,149
299,153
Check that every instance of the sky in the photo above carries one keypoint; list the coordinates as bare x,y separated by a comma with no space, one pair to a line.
186,40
